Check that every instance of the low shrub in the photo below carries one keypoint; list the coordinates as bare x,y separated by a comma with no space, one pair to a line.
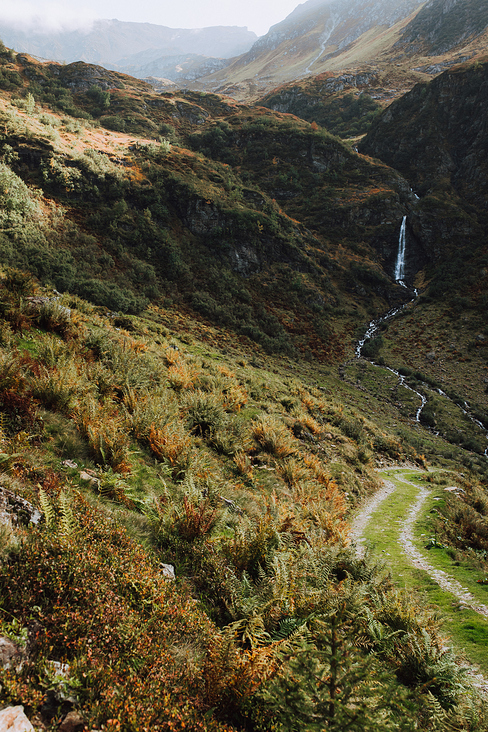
272,436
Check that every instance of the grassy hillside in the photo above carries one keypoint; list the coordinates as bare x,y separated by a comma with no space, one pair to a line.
145,446
183,280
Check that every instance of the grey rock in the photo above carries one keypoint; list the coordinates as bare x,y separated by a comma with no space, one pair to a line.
13,719
16,510
168,571
11,654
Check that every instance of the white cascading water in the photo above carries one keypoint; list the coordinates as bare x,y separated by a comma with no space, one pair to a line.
374,326
400,260
328,31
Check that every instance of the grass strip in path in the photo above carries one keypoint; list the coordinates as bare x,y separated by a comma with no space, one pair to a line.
468,629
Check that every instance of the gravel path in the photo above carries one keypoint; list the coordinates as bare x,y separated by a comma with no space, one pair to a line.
438,575
406,540
369,507
446,582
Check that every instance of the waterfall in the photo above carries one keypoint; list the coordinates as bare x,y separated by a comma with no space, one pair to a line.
400,260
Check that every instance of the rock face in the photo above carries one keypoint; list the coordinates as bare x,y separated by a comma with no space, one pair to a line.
443,25
13,719
437,134
337,23
437,137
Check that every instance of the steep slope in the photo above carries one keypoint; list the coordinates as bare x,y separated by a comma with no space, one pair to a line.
344,103
252,220
314,38
195,464
187,540
444,25
279,204
436,136
398,43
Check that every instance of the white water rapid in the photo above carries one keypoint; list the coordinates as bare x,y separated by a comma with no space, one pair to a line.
372,329
400,260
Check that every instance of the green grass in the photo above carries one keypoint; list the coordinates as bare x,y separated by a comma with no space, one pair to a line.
467,629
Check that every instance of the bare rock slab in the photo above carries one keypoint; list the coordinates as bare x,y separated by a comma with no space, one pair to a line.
13,719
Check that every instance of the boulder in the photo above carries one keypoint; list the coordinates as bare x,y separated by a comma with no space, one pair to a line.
11,655
168,571
73,722
16,510
13,719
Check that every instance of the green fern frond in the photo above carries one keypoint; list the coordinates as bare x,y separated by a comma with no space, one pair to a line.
287,628
47,509
67,518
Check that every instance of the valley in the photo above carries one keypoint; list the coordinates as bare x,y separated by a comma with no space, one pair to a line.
243,330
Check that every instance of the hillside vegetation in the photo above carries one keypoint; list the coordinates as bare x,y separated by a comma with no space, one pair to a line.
186,429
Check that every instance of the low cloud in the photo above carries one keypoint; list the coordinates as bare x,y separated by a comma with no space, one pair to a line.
45,17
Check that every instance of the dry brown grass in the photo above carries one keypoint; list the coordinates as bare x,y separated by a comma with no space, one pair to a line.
273,437
171,444
181,376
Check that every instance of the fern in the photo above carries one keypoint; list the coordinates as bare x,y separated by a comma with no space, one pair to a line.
47,509
59,518
287,628
67,522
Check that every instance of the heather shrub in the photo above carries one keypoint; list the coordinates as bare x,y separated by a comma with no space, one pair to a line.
130,642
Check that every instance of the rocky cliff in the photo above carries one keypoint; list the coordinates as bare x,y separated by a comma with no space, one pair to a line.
443,25
437,135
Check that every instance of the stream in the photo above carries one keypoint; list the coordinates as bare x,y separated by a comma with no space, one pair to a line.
374,326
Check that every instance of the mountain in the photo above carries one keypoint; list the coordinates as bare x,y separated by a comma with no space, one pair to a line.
316,37
244,201
436,137
396,44
117,44
444,25
206,356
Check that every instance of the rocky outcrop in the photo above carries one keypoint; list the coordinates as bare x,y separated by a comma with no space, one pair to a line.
437,136
443,25
13,719
16,510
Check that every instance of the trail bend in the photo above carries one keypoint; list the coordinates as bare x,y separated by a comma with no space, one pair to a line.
406,540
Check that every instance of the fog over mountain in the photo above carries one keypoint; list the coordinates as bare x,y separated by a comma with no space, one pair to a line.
107,41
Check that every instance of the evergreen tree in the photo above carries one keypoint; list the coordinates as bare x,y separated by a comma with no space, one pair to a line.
327,684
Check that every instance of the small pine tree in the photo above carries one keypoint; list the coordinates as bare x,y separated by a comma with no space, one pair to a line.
328,685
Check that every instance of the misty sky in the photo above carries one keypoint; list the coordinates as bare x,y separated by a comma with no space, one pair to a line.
257,15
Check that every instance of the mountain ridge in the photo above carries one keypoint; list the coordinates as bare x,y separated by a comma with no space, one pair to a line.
108,41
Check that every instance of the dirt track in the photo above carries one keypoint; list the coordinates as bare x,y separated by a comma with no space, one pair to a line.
406,539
